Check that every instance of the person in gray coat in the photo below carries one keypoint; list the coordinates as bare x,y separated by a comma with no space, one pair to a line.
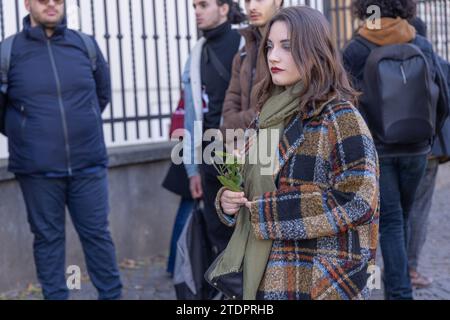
419,215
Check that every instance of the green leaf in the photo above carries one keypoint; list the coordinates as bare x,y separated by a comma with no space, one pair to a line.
231,185
237,180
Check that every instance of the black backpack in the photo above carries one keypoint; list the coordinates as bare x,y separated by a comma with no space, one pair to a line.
400,96
5,62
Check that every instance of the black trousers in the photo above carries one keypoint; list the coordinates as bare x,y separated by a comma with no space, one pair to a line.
218,234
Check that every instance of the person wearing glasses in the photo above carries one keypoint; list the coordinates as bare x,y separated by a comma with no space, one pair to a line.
56,145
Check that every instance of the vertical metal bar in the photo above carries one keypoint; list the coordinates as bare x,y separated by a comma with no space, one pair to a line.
336,10
436,20
426,18
178,38
107,37
446,22
156,37
2,19
79,16
147,86
133,64
188,27
169,77
17,16
344,11
122,73
436,30
440,28
327,10
93,18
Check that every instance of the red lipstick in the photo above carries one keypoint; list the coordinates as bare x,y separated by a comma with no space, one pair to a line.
275,70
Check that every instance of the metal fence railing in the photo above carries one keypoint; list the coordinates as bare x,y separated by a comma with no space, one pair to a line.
147,43
435,13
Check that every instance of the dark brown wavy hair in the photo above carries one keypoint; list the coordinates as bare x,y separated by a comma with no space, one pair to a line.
405,9
316,55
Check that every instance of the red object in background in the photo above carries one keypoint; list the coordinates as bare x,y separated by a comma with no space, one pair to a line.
177,118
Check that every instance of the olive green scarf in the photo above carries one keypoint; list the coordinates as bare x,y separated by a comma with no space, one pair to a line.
244,252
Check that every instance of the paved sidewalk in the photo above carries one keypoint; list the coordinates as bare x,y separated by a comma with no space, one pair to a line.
143,280
435,260
148,280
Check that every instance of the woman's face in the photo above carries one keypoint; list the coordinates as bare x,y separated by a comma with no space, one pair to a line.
281,63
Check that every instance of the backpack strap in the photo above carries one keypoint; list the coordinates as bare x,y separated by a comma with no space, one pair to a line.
444,99
5,61
91,48
220,68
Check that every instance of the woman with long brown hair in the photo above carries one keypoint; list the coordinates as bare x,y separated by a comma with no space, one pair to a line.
309,229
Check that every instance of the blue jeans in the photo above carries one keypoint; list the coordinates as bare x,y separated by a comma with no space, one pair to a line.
185,209
86,197
399,180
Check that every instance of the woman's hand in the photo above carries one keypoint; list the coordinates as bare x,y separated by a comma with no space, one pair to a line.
232,202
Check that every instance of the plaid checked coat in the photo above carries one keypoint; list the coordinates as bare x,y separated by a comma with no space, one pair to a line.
323,218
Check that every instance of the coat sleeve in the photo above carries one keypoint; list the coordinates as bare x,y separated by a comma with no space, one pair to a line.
234,117
441,146
189,150
229,221
442,77
3,102
102,78
311,210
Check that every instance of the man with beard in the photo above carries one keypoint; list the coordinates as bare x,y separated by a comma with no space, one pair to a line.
239,107
57,86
